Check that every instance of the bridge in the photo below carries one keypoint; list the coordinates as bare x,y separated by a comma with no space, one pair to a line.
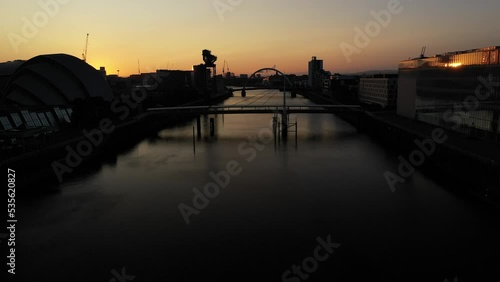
284,110
260,87
257,109
278,127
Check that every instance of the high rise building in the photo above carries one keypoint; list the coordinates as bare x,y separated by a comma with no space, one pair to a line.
456,90
315,73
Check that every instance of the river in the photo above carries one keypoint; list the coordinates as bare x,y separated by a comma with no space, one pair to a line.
320,203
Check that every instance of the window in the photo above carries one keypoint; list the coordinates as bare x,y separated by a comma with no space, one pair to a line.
59,114
36,120
27,118
5,123
51,118
66,115
43,119
17,119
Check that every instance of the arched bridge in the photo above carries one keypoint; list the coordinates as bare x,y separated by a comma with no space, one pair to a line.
244,92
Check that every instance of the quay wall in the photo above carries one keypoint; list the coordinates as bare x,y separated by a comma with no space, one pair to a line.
455,164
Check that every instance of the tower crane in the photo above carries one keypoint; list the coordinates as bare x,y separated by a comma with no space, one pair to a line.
422,54
84,54
224,69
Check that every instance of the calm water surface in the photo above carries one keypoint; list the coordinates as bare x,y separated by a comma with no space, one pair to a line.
330,182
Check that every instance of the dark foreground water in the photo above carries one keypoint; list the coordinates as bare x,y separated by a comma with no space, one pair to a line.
321,204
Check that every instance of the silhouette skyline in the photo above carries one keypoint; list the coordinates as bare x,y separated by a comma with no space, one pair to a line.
246,34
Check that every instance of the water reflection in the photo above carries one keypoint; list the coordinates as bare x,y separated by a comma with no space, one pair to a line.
124,212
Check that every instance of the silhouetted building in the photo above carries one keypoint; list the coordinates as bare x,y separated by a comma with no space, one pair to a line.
301,81
102,71
206,79
457,90
379,89
49,93
120,85
345,88
6,71
327,82
315,73
173,87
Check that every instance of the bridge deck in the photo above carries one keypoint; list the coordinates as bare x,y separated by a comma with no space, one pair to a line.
257,109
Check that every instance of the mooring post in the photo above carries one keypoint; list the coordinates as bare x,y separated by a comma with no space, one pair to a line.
212,127
194,142
296,132
284,125
279,132
198,126
284,129
274,127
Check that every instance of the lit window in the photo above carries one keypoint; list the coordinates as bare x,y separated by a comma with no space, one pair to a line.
43,119
66,116
51,118
17,119
5,123
59,114
27,118
36,120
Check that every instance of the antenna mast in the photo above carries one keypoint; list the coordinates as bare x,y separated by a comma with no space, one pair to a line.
84,55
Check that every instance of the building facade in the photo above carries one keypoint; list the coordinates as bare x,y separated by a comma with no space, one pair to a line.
457,90
380,90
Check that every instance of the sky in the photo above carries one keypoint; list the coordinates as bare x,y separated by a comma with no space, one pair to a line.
350,36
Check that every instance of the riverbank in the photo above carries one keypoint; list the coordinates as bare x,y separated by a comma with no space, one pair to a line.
37,166
469,165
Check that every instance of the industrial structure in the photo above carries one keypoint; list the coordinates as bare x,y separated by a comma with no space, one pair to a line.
205,76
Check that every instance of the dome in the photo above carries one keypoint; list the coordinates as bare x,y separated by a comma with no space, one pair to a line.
54,80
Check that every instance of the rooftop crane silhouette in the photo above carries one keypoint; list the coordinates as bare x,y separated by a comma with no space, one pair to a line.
84,54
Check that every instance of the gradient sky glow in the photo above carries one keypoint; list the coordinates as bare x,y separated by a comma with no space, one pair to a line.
254,34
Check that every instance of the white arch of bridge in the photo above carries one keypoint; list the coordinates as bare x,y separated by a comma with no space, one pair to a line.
243,92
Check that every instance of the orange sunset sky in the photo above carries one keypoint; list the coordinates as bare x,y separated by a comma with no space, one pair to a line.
248,34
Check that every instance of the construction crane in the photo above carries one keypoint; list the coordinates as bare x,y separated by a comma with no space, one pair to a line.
422,54
84,54
224,69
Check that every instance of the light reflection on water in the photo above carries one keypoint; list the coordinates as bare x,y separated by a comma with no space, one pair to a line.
264,221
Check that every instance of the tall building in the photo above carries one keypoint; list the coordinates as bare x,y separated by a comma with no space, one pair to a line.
379,89
456,90
315,73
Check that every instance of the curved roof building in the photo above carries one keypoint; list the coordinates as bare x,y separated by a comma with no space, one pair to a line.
50,80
